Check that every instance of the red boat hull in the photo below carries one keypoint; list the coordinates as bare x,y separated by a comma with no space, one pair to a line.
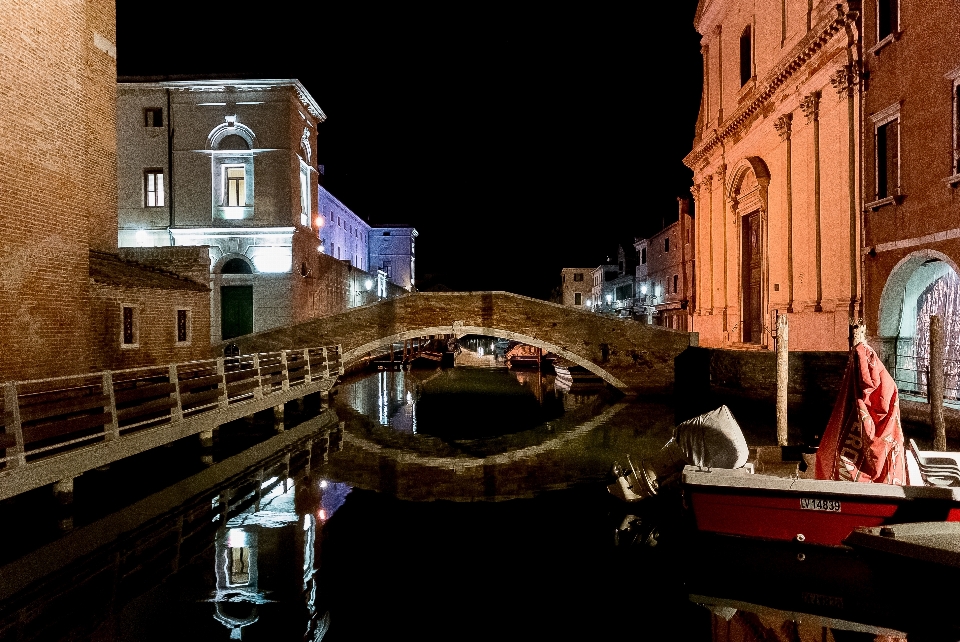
811,511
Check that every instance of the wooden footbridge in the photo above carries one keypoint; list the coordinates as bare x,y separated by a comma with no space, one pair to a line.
56,429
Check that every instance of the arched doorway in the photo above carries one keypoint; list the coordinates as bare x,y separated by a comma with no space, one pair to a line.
236,299
748,201
922,284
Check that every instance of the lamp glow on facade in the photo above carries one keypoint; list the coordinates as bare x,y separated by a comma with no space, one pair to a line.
368,284
609,298
643,289
273,259
142,238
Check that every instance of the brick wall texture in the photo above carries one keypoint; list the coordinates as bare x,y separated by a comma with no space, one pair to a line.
57,177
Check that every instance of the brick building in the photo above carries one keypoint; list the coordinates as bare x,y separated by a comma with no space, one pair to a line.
911,154
777,173
58,204
665,274
575,286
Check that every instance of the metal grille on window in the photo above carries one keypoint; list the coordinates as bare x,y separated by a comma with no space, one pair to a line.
181,325
128,334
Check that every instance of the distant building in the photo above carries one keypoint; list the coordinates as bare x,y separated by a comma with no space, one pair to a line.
393,250
602,292
665,273
624,284
576,286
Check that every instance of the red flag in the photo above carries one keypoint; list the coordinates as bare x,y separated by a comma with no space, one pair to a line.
863,440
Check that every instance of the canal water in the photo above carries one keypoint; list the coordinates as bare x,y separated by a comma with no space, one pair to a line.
463,503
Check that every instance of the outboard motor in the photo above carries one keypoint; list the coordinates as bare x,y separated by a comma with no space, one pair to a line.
710,440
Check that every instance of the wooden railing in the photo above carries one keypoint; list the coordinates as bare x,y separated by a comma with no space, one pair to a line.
48,417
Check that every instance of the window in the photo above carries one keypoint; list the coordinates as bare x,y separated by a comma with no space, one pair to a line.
130,327
643,256
955,165
746,49
675,279
153,117
578,276
236,194
666,244
304,196
578,298
888,19
887,152
183,326
153,187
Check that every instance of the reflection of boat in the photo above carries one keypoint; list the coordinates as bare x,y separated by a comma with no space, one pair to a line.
524,356
570,373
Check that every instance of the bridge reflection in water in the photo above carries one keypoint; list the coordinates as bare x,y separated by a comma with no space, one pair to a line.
322,532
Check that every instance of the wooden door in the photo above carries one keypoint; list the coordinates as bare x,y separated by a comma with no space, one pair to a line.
752,315
236,310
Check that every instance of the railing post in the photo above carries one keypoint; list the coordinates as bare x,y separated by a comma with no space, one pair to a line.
326,362
285,382
12,404
112,429
935,382
224,399
258,391
306,360
340,368
175,381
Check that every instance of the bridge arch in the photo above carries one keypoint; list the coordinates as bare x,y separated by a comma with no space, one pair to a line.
385,343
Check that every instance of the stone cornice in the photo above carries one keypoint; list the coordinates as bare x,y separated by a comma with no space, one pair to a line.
213,85
804,50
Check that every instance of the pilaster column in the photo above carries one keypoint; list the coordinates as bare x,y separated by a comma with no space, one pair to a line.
810,104
784,125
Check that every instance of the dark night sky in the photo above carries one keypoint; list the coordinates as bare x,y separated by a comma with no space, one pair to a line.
517,141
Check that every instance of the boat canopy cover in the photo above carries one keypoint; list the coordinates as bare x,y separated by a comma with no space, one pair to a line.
713,440
863,440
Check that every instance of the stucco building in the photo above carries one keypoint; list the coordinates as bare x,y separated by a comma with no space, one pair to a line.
575,286
601,291
911,152
231,165
777,173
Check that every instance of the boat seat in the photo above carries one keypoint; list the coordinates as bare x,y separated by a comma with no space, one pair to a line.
936,468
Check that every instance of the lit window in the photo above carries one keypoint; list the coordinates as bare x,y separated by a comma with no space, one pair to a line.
130,327
236,187
153,188
183,326
153,117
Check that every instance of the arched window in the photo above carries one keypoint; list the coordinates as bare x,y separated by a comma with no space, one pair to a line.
746,62
236,266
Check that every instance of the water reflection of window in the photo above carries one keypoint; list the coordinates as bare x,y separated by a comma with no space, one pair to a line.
383,402
238,565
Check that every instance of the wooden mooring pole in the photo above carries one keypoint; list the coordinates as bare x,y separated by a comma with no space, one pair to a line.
782,378
935,382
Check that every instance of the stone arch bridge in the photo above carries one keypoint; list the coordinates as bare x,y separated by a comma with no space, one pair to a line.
631,356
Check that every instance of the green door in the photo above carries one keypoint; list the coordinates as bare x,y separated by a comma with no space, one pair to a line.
236,310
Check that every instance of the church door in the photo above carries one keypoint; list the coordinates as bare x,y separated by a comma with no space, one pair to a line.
236,310
752,314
